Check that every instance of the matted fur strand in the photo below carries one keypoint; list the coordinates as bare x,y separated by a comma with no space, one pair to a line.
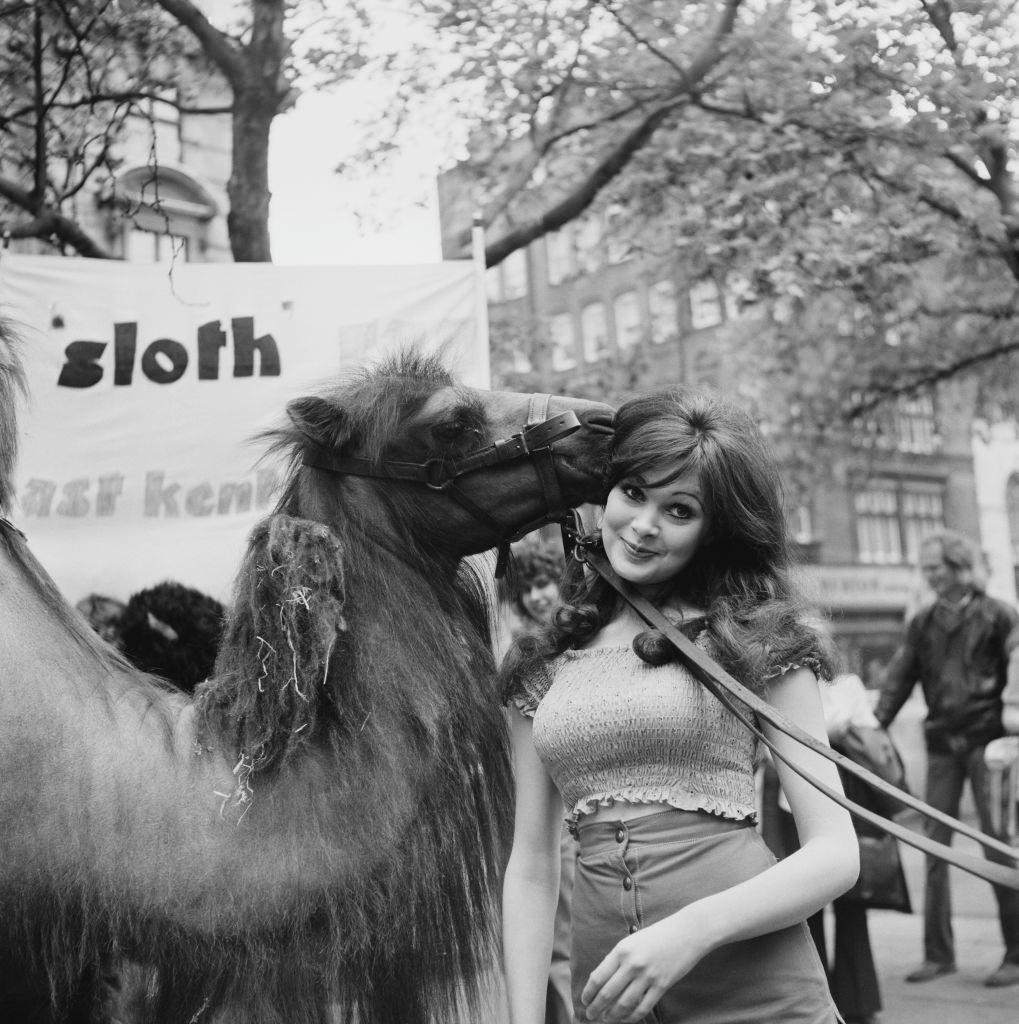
284,629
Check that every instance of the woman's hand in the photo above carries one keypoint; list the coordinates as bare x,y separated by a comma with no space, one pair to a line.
640,968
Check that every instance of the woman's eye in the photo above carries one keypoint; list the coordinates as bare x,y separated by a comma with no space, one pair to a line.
632,492
680,512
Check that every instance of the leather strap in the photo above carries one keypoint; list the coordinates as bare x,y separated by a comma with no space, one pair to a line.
732,694
6,524
439,474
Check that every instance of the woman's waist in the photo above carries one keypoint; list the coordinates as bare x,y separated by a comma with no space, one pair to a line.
651,824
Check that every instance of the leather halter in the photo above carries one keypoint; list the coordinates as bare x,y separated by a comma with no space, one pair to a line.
534,442
738,700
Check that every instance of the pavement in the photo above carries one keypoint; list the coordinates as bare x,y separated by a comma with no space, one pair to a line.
897,939
897,943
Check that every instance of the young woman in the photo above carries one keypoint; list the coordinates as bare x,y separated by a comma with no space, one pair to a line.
680,912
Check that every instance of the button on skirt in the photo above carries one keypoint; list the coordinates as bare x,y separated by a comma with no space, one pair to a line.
633,873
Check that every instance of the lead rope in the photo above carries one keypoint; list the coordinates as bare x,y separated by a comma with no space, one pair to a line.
732,693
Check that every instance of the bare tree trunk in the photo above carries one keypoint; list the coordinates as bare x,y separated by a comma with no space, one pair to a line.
248,188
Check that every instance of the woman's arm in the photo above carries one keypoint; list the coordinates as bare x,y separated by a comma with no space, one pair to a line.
633,977
531,883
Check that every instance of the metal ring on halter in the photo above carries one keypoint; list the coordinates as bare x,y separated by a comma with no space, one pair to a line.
432,468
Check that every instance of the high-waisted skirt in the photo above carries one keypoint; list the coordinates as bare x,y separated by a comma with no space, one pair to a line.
633,873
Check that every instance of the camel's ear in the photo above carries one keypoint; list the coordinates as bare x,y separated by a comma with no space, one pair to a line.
319,420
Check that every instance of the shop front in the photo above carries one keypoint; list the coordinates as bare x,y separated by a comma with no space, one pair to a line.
867,607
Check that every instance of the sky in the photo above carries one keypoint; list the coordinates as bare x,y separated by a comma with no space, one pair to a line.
317,217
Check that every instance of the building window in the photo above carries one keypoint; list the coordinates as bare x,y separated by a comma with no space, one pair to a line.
705,304
520,361
664,311
877,526
915,428
739,294
589,244
594,330
564,344
559,255
629,329
923,513
514,275
801,525
141,246
892,521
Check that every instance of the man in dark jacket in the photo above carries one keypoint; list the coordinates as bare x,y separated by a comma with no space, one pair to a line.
958,649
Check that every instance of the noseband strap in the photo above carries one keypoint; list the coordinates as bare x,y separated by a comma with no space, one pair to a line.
534,442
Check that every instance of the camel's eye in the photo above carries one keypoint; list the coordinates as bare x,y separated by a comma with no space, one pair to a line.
460,425
453,430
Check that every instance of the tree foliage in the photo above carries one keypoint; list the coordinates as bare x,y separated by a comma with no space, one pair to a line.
832,159
78,75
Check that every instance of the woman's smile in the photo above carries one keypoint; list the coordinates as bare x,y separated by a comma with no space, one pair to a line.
636,550
651,531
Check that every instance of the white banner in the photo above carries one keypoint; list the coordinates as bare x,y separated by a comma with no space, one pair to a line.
147,383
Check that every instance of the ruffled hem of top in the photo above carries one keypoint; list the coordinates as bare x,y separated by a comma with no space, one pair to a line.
525,704
813,664
664,795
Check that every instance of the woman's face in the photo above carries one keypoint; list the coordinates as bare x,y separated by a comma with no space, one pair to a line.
651,533
540,597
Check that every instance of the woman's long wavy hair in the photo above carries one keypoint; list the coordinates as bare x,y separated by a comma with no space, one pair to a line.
757,619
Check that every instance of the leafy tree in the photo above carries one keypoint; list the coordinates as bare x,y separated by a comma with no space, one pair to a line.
856,158
77,73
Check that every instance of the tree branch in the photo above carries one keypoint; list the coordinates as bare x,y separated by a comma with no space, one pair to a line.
218,46
48,224
130,96
619,156
611,8
929,378
584,194
939,12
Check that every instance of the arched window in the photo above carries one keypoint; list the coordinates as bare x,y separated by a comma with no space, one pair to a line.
159,213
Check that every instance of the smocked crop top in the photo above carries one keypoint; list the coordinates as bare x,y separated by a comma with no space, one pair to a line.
608,726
